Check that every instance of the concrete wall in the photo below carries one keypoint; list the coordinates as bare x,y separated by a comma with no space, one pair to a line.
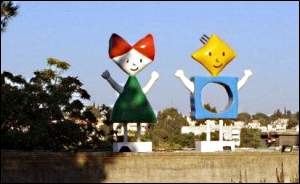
289,139
146,167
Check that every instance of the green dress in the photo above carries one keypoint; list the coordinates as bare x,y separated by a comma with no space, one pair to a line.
132,105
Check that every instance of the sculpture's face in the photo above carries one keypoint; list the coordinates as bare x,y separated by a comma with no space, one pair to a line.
214,55
131,59
132,62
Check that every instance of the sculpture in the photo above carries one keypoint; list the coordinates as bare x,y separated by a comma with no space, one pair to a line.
215,55
132,104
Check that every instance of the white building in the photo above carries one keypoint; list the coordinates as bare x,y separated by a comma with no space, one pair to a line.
255,124
230,133
278,125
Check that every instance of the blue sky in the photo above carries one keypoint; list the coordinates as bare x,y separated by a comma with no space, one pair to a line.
265,36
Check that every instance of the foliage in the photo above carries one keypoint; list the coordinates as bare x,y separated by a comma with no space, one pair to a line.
214,136
244,116
8,10
262,118
46,112
277,114
102,112
250,138
166,133
292,123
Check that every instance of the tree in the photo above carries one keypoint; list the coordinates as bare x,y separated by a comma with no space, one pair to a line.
209,108
46,112
167,132
277,114
292,123
262,118
250,138
8,10
244,116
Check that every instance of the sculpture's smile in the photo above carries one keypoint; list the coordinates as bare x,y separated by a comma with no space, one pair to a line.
218,66
134,69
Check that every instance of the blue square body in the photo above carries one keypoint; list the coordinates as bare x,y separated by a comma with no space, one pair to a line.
230,85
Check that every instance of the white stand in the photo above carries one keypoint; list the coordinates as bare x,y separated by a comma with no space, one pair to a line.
214,146
133,146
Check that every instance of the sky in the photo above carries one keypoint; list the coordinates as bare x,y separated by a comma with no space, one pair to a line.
265,36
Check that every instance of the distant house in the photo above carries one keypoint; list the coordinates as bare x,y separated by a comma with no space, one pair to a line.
278,125
230,133
255,124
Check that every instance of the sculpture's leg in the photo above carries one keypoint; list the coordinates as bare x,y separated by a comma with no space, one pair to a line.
221,130
207,130
139,132
125,132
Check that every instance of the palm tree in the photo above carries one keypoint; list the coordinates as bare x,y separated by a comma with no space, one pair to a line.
8,10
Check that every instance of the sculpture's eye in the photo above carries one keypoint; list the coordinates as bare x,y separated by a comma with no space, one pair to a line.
141,60
223,53
127,60
209,53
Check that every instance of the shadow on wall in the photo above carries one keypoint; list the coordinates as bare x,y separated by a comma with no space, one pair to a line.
54,166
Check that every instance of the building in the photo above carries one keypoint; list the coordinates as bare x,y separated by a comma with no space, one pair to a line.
230,133
278,125
255,124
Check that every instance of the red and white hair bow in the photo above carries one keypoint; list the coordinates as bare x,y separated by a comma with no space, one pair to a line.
118,46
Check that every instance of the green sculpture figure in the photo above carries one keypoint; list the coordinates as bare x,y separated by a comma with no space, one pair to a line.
132,104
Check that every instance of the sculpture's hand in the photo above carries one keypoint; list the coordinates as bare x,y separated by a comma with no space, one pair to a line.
112,82
179,73
248,72
187,83
154,75
106,74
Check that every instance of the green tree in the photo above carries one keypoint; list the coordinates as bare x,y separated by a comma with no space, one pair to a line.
46,112
262,118
8,10
209,108
292,122
250,138
167,132
277,114
244,116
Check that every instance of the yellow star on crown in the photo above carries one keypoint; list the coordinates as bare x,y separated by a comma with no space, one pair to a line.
214,55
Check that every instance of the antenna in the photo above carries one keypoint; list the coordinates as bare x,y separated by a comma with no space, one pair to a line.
204,39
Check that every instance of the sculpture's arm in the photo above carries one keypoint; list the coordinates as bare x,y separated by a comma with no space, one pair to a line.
187,83
154,77
243,80
112,82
